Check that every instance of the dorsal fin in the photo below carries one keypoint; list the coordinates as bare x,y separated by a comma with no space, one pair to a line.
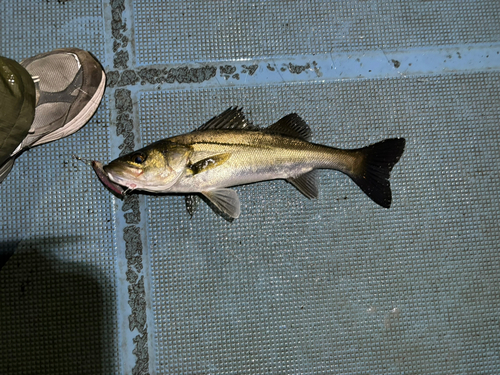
231,118
291,125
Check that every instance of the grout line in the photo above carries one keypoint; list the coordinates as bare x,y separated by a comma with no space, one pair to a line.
376,64
132,266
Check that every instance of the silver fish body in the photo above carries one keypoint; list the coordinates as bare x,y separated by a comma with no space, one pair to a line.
252,156
229,151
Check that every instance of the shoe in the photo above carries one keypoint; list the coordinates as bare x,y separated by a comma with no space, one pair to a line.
69,87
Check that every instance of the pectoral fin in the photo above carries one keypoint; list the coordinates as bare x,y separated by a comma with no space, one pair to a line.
226,200
307,184
209,163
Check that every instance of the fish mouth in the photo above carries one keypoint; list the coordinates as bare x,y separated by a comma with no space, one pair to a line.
118,178
106,180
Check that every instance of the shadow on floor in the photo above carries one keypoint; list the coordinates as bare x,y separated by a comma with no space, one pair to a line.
7,249
53,315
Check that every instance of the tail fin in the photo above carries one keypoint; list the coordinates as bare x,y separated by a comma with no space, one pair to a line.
373,173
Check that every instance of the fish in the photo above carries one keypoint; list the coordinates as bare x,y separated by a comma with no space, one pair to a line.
229,151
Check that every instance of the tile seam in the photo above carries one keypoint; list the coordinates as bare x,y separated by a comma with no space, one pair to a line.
312,68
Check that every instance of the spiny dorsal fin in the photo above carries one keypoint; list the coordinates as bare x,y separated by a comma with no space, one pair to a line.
225,200
307,184
231,118
209,163
291,125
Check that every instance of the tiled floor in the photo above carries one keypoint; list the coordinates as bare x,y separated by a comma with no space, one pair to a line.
334,285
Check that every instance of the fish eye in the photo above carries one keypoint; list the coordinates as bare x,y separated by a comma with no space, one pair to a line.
140,158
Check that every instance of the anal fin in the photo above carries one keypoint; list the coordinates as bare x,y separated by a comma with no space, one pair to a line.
226,200
307,184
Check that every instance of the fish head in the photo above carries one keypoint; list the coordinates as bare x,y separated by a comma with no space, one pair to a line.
154,168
